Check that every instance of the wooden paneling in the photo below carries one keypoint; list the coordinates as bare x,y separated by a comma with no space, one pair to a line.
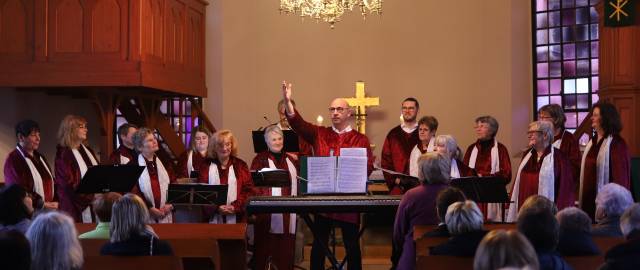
106,22
16,30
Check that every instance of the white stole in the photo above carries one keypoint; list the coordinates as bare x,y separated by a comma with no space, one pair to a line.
602,164
232,192
455,172
124,160
277,222
558,142
189,163
38,186
86,213
145,185
415,155
493,209
546,183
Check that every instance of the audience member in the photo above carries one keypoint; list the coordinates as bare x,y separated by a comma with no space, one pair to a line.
538,203
445,198
501,249
16,208
464,222
575,233
54,243
625,256
15,252
102,205
542,230
611,202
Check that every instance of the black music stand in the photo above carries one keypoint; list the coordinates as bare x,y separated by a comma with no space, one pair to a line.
407,182
290,141
271,178
197,194
488,189
110,178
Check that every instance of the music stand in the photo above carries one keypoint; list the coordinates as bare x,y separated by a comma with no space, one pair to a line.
271,178
197,194
110,178
488,189
290,141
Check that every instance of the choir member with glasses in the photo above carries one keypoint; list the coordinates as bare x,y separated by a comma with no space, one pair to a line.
427,128
126,151
562,139
447,145
191,161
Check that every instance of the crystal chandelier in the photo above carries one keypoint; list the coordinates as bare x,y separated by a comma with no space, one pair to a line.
329,10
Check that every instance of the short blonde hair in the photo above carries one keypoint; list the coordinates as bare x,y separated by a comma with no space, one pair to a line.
218,138
68,130
545,127
463,217
434,168
128,218
500,249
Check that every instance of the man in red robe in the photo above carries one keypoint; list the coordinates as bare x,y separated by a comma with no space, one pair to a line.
399,143
25,166
125,151
327,141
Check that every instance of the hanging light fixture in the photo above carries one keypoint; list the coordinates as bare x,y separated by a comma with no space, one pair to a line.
329,11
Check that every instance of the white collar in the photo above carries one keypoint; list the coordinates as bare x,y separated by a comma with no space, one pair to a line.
345,130
408,129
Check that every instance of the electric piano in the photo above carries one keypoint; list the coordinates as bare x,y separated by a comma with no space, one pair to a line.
323,204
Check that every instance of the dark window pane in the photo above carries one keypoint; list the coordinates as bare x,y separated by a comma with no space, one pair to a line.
567,3
543,70
541,20
594,66
594,31
568,17
582,50
554,35
570,102
582,15
583,102
583,68
554,54
569,51
554,18
593,14
543,87
556,86
572,118
594,49
595,84
582,32
568,34
554,69
542,53
569,68
554,4
581,3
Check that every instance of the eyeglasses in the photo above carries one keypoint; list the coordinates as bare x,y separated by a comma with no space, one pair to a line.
532,132
408,108
337,109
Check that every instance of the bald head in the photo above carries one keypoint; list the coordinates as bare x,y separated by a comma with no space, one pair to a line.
340,113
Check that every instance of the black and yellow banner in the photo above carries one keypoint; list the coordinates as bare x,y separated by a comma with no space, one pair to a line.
619,12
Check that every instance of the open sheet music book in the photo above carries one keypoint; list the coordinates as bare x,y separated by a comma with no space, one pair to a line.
346,173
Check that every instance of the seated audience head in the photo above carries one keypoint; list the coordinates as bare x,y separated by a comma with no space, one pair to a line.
129,217
125,134
200,139
54,242
145,141
630,220
427,128
103,204
554,114
486,127
15,252
16,205
447,197
539,202
274,138
28,135
434,168
223,145
447,145
73,131
540,227
611,201
463,217
574,219
501,249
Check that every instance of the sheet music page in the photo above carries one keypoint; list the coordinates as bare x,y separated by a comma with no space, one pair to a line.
353,152
321,173
352,174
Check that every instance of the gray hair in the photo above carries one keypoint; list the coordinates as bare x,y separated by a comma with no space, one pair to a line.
54,243
613,199
139,137
538,203
545,127
574,219
129,217
272,128
434,168
630,219
491,121
463,217
450,144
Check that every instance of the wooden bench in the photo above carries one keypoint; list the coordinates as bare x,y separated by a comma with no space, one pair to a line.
132,263
444,262
224,243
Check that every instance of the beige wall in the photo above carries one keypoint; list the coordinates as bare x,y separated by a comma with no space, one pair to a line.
460,59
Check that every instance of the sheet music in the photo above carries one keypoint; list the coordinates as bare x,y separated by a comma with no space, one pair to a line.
352,174
321,174
353,152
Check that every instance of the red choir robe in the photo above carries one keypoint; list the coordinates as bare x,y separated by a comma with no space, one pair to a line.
563,182
483,164
122,155
17,171
619,171
68,178
571,149
395,155
154,180
243,179
325,140
304,147
183,170
279,246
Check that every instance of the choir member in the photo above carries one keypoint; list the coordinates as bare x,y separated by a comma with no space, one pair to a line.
447,145
606,158
304,148
154,181
73,159
427,127
327,141
488,157
191,161
275,234
544,170
562,139
223,167
25,166
126,151
398,144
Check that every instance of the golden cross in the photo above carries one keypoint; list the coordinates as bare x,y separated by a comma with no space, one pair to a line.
618,9
361,103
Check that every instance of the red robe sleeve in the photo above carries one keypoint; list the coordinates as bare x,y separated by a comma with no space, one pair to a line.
386,162
620,163
114,158
67,180
245,186
306,130
569,146
181,169
505,163
565,184
17,172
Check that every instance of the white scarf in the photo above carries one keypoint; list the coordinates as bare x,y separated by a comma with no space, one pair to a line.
493,209
415,155
277,222
602,164
232,192
86,213
546,183
558,142
145,185
455,172
38,186
189,163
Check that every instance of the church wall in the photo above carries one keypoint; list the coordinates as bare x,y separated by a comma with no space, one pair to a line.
460,59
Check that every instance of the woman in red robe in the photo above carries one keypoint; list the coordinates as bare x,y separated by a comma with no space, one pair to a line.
73,158
606,158
275,234
544,171
488,157
190,161
224,168
427,128
447,145
562,139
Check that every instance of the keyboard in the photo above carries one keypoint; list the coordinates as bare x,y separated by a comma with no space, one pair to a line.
324,204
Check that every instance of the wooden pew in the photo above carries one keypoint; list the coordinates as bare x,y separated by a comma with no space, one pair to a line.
132,263
444,262
420,230
230,241
585,262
